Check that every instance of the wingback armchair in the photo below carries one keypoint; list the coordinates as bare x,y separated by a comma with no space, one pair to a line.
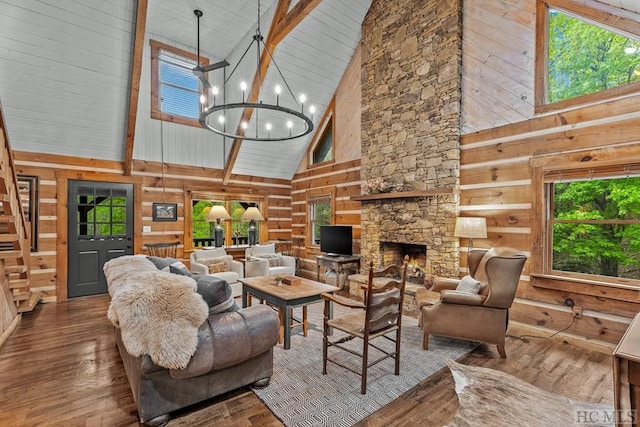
262,260
475,308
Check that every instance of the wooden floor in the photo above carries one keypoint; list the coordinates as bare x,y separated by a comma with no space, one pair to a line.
61,367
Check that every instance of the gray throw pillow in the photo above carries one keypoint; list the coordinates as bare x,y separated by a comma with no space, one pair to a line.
468,284
216,293
170,265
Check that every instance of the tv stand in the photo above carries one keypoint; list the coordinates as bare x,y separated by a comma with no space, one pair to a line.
343,266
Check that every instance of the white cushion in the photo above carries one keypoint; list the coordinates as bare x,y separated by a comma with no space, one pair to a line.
468,284
229,276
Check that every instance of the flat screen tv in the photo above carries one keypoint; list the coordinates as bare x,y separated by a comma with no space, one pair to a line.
336,239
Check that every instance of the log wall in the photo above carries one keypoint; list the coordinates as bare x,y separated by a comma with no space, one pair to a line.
48,265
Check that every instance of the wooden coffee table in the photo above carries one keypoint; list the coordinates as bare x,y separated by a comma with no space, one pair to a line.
285,297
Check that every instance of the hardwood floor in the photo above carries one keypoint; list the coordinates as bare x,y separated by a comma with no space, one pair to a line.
61,367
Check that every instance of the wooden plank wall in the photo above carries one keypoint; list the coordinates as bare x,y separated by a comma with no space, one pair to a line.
501,146
342,176
48,265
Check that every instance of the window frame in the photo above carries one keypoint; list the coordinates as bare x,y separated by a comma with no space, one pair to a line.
608,17
156,112
545,172
314,196
327,122
227,199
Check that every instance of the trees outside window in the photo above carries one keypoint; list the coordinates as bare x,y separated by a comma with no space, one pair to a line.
595,227
584,54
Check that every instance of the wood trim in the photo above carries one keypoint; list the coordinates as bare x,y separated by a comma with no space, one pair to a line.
312,195
293,18
403,194
602,14
134,90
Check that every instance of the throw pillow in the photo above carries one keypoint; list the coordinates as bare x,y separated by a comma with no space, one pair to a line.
275,260
216,293
380,311
165,264
468,284
218,267
217,260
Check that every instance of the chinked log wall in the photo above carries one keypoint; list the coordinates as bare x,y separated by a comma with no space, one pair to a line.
48,265
501,180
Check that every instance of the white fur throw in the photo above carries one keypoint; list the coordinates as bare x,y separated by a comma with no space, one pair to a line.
158,313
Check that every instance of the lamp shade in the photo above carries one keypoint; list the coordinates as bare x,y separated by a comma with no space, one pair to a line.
252,213
218,212
471,227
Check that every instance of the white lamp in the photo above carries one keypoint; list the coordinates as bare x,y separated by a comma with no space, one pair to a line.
252,214
217,213
470,228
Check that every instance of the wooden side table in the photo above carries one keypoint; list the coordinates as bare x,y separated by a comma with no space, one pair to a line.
342,265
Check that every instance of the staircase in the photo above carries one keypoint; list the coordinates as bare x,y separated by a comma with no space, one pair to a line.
15,242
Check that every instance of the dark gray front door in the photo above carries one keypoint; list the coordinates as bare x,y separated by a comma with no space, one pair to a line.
100,228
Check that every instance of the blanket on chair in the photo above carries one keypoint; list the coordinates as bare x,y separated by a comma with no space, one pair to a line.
158,313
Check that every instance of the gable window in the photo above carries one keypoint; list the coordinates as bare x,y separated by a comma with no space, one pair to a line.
175,90
320,213
593,224
321,149
584,54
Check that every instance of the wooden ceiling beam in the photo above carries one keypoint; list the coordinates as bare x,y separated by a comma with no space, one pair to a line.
134,90
284,21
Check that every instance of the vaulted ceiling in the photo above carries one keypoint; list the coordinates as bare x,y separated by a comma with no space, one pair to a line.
65,74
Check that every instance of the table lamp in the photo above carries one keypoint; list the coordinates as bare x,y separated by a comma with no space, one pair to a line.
252,214
217,213
471,227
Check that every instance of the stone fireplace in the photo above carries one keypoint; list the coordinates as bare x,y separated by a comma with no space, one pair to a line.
394,253
411,55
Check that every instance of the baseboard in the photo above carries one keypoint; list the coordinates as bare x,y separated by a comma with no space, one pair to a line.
14,323
518,329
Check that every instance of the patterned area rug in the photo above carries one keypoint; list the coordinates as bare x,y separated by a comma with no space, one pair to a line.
299,395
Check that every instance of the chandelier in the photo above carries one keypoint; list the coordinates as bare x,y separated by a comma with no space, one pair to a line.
254,116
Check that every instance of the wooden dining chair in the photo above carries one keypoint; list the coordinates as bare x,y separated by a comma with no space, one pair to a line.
379,316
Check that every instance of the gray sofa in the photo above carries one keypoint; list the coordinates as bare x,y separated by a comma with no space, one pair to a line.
233,348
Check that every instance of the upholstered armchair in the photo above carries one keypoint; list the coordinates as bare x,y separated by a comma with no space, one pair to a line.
216,262
475,307
262,260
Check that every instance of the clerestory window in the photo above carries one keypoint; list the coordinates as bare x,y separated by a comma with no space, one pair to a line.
585,53
176,93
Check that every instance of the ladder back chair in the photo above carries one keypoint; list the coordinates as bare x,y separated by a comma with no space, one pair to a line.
379,315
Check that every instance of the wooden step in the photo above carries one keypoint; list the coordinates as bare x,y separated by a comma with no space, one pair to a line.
5,254
8,238
15,269
34,299
18,283
21,296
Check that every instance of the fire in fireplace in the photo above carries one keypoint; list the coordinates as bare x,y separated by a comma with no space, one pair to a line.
394,253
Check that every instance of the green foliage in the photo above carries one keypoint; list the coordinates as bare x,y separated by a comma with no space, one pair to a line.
584,58
588,244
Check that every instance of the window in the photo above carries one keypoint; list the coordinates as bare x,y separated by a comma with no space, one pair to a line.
593,224
321,149
320,213
586,55
175,90
324,150
235,230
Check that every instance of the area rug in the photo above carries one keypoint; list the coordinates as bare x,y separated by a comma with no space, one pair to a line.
299,395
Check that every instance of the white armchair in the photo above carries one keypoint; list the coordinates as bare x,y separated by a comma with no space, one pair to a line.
211,259
262,260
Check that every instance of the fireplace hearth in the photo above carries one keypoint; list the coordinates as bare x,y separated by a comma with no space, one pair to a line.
394,253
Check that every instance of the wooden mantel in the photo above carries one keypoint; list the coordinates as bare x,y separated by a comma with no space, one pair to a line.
404,194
